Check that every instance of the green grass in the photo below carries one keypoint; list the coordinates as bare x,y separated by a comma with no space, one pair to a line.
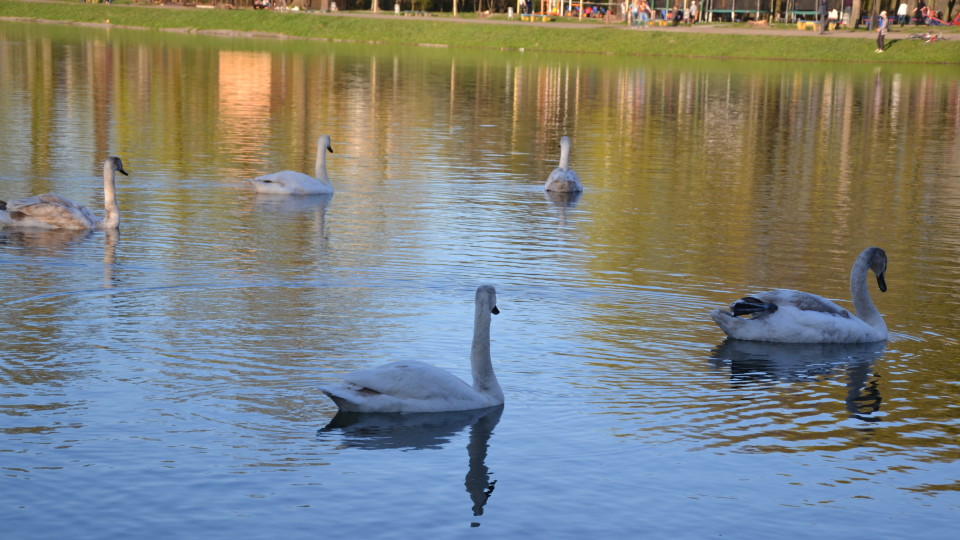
589,38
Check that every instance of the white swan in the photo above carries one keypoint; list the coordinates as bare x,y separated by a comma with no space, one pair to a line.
563,178
297,183
797,317
51,211
414,387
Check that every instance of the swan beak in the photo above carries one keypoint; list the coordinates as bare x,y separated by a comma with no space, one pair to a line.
882,283
495,311
123,172
330,148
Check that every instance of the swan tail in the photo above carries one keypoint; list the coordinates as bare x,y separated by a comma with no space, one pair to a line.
749,305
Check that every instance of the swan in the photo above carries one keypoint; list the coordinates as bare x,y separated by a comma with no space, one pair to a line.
416,387
51,211
788,316
297,183
563,178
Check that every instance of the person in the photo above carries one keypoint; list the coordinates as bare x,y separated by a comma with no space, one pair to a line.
902,13
644,13
693,12
881,31
919,12
833,17
822,15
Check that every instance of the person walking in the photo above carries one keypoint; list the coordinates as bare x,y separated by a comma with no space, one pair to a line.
822,10
881,31
902,13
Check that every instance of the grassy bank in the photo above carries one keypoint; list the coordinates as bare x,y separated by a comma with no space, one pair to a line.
585,38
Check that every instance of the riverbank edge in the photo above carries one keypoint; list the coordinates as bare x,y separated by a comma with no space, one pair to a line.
713,41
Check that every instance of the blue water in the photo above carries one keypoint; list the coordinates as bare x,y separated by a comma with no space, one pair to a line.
164,381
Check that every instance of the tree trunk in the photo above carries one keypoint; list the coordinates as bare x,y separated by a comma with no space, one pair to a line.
855,14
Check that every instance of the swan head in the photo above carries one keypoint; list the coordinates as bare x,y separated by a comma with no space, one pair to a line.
114,163
324,142
877,262
487,299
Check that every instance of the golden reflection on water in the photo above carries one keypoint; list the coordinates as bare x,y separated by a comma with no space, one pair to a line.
703,180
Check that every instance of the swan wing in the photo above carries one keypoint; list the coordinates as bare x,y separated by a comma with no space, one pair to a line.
803,301
405,387
51,210
787,316
290,183
563,180
410,380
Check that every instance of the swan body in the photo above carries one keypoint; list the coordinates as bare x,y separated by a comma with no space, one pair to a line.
416,387
788,316
51,211
297,183
563,178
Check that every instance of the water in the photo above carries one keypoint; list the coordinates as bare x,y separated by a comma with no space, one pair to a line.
164,380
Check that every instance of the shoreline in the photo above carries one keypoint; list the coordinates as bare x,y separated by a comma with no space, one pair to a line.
703,40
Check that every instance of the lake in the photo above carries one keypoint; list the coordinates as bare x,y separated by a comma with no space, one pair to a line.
164,380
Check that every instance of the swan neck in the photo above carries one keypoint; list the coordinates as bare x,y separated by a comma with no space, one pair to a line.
564,155
862,302
111,218
321,168
484,379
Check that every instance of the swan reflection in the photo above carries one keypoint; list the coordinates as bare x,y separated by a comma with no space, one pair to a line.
305,204
563,201
751,361
418,431
43,239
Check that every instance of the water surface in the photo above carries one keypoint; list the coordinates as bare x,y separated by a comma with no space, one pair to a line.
164,380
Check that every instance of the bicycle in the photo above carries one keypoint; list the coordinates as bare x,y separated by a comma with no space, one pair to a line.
929,36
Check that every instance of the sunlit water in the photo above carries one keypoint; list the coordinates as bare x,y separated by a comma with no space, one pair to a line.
164,381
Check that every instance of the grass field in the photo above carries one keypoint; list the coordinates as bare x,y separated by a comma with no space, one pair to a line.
785,43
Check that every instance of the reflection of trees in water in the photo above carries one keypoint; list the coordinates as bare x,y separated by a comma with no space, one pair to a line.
420,431
752,361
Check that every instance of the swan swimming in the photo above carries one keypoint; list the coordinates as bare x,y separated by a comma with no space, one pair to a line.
788,316
414,387
51,211
563,178
297,183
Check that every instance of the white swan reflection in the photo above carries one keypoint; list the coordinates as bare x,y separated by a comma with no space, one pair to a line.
752,361
420,431
306,205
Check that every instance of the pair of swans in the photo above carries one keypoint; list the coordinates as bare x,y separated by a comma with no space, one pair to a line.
297,183
781,315
563,179
51,211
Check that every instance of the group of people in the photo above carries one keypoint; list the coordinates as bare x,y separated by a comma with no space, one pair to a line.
641,13
922,13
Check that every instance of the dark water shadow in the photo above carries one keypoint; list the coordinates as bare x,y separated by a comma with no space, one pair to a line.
420,431
752,361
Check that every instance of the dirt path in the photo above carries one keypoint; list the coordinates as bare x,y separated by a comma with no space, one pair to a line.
704,28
